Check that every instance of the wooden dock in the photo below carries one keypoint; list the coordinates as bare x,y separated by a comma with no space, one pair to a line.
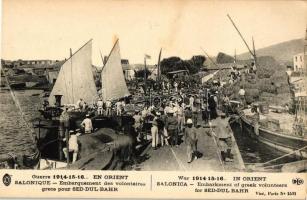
175,158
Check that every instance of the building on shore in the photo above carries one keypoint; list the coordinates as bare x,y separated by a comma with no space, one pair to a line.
298,62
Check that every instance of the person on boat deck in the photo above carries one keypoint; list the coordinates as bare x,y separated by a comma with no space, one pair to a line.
84,107
100,106
242,95
64,122
80,103
72,145
223,135
87,124
190,139
118,108
254,67
45,105
108,107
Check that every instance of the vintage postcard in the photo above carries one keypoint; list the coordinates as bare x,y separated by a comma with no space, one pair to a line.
153,99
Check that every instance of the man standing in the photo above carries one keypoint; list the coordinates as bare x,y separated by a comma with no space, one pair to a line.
172,127
80,103
242,95
64,122
176,86
191,101
212,107
138,125
190,140
226,105
87,124
224,140
118,106
154,135
100,106
108,107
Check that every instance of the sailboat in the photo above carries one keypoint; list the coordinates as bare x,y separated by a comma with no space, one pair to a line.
75,79
113,82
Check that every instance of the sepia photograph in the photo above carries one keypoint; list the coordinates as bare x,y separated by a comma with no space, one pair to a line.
167,85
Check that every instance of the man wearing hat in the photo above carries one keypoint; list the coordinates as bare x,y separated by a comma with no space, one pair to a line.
72,146
87,124
190,139
172,127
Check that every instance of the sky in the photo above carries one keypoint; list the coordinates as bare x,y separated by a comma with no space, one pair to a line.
46,29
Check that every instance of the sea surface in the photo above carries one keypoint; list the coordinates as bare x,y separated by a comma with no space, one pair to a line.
16,129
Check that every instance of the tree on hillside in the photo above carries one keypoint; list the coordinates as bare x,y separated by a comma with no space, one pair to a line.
140,73
224,58
175,63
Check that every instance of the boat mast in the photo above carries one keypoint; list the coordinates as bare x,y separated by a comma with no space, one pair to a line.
159,67
250,51
254,51
71,76
235,58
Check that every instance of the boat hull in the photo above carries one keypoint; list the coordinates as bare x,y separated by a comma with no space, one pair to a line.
283,143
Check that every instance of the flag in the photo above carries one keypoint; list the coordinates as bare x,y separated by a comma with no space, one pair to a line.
147,56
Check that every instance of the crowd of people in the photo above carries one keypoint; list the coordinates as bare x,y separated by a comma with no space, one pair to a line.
174,119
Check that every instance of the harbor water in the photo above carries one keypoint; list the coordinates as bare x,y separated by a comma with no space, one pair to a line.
15,135
253,151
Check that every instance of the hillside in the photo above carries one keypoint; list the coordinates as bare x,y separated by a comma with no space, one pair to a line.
282,52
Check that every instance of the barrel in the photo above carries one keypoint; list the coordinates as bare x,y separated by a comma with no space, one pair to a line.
264,108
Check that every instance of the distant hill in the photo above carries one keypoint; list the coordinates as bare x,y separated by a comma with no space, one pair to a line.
281,52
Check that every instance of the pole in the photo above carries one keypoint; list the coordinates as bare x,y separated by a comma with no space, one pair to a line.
235,57
67,145
240,35
159,70
254,50
145,68
72,83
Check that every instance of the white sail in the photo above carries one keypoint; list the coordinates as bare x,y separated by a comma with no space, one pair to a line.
75,79
112,76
